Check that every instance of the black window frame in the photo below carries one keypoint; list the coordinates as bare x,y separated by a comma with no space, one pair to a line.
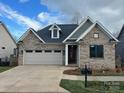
29,51
55,33
95,51
57,51
38,51
47,51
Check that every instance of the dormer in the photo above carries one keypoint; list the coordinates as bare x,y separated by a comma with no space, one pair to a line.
55,31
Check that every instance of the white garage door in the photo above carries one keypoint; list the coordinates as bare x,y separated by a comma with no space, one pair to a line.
43,57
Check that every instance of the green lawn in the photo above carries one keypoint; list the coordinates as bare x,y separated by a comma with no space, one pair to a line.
4,68
77,86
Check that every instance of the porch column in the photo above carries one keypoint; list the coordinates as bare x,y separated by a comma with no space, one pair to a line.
66,54
79,55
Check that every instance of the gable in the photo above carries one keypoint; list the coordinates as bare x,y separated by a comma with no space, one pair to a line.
28,32
31,40
101,28
84,25
6,37
54,26
81,30
5,33
89,37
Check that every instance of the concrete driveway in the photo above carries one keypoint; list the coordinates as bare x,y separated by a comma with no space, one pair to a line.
32,78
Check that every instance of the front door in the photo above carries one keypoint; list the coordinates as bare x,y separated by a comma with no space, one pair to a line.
72,54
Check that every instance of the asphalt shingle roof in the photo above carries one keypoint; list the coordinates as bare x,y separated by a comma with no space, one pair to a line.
66,30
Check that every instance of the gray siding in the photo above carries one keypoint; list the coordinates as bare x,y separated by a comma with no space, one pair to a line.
82,29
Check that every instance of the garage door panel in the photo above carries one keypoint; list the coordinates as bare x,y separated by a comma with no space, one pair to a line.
43,58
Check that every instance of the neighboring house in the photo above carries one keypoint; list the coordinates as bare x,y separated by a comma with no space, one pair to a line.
68,44
7,44
120,47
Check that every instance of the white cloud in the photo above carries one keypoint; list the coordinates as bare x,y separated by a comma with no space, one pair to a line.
23,1
48,18
109,12
17,17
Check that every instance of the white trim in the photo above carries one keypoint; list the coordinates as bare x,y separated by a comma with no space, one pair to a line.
52,27
91,27
66,54
27,32
72,38
79,55
52,31
107,31
86,32
52,34
23,56
81,24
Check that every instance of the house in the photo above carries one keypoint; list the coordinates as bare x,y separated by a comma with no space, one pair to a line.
68,44
7,44
120,48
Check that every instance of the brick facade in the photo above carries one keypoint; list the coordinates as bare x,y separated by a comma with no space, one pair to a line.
31,42
108,61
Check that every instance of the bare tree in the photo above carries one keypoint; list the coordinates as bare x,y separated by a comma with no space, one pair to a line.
76,18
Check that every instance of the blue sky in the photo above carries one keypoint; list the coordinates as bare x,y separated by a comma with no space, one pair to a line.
19,15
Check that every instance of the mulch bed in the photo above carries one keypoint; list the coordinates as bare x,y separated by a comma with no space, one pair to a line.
106,72
72,72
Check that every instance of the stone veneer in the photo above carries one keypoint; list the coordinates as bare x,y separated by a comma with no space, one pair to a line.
109,50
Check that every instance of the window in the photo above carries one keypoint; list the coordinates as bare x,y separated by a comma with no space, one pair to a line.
38,51
3,48
96,35
57,51
48,51
96,51
55,31
29,51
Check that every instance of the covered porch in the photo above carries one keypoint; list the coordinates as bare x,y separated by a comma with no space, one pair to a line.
72,55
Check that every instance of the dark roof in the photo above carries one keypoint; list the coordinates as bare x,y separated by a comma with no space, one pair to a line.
66,30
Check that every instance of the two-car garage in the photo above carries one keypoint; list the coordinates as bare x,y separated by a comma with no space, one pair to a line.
43,57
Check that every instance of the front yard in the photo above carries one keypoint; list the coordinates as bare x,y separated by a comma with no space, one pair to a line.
4,68
77,86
